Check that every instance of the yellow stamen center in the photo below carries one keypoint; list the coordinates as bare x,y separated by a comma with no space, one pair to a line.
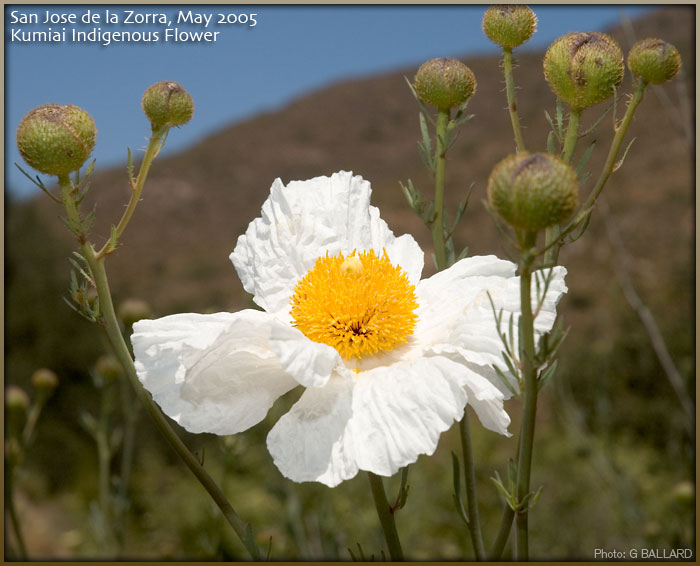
360,305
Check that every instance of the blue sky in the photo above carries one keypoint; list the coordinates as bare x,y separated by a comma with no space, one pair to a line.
291,50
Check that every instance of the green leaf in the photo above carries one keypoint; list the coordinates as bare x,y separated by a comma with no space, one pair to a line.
423,107
624,155
551,148
584,158
560,118
38,183
597,123
505,381
547,375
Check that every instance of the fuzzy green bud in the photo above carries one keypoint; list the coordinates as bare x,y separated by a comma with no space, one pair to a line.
444,83
654,60
167,104
584,69
509,25
533,191
133,310
44,380
55,139
109,367
16,405
16,399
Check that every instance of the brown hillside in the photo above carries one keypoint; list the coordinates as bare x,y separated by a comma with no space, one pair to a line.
175,252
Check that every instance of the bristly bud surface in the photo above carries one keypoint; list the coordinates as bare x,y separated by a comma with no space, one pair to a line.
583,69
509,25
445,83
55,139
167,104
654,60
533,191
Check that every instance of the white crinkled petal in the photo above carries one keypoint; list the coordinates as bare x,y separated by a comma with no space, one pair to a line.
456,314
446,297
309,363
308,443
305,220
380,421
211,373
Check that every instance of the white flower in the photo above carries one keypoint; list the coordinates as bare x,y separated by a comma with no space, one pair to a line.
389,361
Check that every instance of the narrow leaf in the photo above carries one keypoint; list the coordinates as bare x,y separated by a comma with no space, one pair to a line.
619,163
584,158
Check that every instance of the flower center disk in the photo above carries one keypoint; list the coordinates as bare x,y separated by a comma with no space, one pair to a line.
360,305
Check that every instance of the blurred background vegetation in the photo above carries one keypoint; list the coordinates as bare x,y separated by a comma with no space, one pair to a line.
614,452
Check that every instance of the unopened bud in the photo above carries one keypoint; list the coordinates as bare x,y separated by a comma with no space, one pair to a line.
533,191
109,367
684,492
44,380
509,25
16,399
584,69
444,83
167,104
133,310
55,139
654,60
16,405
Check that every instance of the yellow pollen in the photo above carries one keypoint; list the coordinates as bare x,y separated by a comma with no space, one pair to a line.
360,305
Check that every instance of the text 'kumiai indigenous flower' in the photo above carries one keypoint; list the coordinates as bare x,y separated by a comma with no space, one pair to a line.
388,361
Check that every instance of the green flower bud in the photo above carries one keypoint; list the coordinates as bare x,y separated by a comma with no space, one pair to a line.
133,310
56,139
509,25
16,399
44,380
584,69
109,367
684,493
16,405
654,60
167,104
445,83
533,191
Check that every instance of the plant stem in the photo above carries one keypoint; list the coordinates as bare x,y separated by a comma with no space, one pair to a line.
443,118
386,517
620,132
241,528
154,145
470,482
10,504
503,533
130,412
553,233
527,427
510,94
571,135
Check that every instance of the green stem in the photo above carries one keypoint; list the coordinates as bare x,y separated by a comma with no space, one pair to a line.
571,135
503,532
154,145
527,428
443,119
510,94
615,147
241,528
470,482
33,419
10,504
553,233
386,517
104,458
130,413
